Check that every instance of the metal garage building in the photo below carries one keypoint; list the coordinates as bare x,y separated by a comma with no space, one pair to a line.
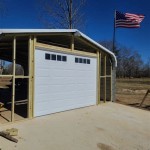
48,71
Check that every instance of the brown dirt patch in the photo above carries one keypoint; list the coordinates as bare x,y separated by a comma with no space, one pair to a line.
102,146
131,92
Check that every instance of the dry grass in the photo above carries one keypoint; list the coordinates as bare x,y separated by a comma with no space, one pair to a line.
132,91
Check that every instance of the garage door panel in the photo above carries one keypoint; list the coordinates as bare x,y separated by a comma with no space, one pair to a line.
65,95
60,103
58,107
80,82
70,89
61,86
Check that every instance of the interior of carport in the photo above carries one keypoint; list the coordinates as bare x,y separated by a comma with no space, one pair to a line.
17,70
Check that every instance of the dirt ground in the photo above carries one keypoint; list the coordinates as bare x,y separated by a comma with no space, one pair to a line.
132,91
108,126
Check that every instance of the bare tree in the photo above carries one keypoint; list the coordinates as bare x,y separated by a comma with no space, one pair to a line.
19,69
2,13
146,68
109,45
129,63
2,7
62,13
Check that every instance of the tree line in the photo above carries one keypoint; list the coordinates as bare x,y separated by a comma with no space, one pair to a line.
129,62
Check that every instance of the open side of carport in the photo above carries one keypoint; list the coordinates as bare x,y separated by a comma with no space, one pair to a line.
48,71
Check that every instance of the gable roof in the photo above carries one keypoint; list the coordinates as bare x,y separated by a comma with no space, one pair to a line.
72,31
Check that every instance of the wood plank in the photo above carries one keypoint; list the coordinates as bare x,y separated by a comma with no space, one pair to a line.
111,83
72,43
65,50
33,42
105,78
22,77
148,91
100,69
30,44
7,136
13,82
98,79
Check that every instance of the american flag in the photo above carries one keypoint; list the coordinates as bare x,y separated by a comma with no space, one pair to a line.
128,20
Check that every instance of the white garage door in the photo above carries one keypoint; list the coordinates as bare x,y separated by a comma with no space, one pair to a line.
63,82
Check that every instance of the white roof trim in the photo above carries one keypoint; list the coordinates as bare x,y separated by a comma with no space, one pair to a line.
11,31
37,31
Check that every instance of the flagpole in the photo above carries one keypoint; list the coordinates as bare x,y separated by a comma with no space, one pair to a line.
114,33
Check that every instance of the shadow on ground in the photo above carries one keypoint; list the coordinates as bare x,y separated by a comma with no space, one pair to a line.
136,105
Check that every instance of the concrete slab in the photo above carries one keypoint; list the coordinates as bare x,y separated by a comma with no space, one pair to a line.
108,126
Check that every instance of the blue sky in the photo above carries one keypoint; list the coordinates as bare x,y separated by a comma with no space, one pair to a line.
99,21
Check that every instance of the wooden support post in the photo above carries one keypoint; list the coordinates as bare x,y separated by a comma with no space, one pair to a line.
105,78
98,79
33,73
29,74
111,83
72,43
148,91
32,42
13,80
100,68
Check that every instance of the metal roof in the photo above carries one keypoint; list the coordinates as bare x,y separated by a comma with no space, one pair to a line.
75,31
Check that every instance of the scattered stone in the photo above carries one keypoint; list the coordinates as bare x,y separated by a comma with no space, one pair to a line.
103,146
1,105
12,131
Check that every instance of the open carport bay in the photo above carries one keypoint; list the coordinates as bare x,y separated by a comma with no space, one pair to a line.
108,126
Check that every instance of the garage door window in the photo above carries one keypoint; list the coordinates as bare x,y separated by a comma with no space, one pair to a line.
64,58
58,57
76,60
47,56
53,57
88,61
82,60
